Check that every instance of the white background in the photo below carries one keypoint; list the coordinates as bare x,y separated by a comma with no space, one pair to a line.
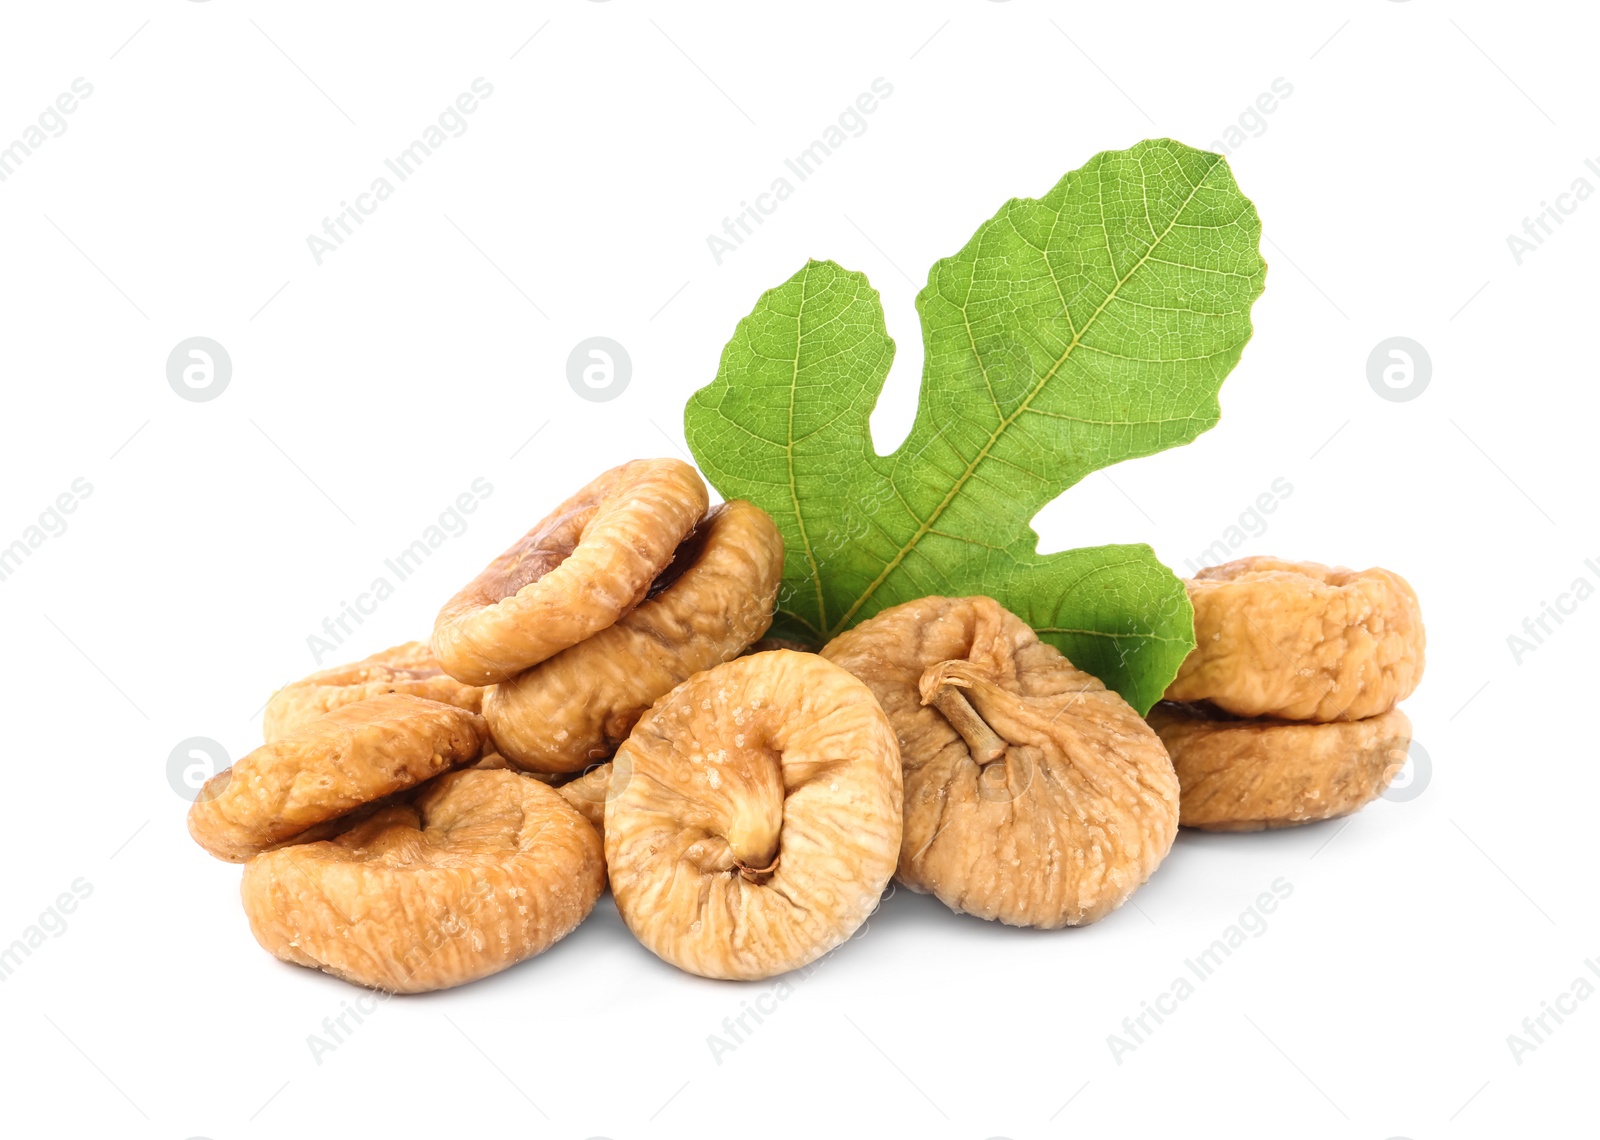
369,391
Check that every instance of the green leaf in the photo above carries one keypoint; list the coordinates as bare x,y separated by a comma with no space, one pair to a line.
1074,331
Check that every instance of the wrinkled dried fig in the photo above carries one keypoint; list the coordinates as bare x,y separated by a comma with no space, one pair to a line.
481,870
329,767
1246,775
589,562
1301,641
588,794
754,817
1034,795
714,599
409,668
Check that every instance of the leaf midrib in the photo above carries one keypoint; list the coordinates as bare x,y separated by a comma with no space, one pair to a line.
794,490
1005,423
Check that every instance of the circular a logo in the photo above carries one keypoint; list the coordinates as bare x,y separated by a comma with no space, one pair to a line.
599,369
1410,780
1399,369
617,780
192,763
199,369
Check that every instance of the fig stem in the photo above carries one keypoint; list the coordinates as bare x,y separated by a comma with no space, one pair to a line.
751,872
983,742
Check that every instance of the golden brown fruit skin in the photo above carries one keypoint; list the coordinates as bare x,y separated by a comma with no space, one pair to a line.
409,668
1246,775
754,816
1301,641
480,871
576,707
588,794
590,561
1079,804
328,768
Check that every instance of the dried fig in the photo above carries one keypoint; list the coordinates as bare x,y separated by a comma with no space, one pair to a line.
714,599
1034,794
1301,641
1246,775
754,816
588,794
409,668
329,767
479,871
589,562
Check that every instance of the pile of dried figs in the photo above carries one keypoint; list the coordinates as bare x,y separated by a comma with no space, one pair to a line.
598,707
1285,711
